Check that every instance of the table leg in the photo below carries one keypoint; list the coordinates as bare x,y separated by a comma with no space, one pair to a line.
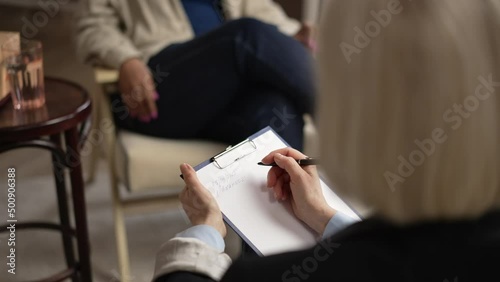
78,193
62,203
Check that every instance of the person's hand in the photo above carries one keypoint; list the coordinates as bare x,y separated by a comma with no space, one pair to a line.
198,203
138,90
301,186
306,36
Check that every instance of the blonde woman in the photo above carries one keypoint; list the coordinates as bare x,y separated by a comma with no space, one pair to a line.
409,123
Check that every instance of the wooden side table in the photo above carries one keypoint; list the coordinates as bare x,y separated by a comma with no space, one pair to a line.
66,113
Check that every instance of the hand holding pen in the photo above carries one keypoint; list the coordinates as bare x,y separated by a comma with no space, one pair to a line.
300,184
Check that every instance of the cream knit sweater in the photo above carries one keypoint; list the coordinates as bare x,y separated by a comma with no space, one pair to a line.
112,31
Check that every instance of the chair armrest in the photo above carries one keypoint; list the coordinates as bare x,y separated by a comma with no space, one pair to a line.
105,76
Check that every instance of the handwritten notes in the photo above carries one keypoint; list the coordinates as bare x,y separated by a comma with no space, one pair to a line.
224,184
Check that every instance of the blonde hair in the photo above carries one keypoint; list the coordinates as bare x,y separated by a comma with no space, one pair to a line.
412,93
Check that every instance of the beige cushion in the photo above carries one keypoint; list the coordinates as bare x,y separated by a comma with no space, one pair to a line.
104,76
145,162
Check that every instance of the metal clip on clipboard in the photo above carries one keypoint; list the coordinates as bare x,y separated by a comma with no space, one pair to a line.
233,154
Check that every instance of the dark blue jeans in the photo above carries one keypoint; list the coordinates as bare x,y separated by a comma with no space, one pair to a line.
230,83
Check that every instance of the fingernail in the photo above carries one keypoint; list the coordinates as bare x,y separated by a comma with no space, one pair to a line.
154,115
156,96
276,196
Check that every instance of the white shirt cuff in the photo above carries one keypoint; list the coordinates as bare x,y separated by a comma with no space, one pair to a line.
338,222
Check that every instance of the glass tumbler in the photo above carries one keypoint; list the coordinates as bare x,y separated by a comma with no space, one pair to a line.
24,66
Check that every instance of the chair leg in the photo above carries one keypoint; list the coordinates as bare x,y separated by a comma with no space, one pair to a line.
118,206
121,237
121,245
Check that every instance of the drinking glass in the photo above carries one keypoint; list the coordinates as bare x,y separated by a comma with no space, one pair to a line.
25,73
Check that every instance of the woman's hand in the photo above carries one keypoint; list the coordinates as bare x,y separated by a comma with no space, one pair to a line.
306,36
198,203
138,90
300,185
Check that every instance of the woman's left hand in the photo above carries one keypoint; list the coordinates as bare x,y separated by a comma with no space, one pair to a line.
198,203
306,36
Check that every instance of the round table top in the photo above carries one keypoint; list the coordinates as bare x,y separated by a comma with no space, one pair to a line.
66,105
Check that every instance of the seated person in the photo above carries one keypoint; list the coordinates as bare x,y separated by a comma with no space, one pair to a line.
209,69
410,127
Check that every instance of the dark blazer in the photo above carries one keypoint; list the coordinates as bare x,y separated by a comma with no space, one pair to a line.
375,250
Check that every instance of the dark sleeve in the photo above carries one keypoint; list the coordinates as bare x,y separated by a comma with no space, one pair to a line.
271,268
311,265
183,276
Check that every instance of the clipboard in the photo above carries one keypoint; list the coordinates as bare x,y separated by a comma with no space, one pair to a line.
246,208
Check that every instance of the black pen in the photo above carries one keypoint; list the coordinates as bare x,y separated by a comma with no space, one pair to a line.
301,162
